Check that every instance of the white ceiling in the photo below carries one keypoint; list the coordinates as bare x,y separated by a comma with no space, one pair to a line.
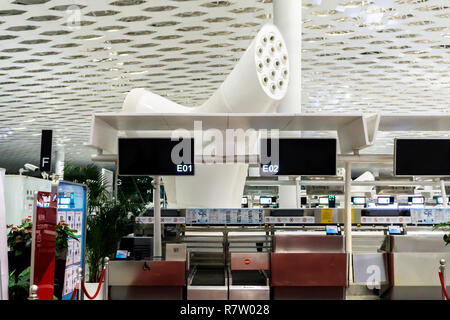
61,60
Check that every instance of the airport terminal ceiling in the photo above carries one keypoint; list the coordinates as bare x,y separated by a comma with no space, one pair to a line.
61,61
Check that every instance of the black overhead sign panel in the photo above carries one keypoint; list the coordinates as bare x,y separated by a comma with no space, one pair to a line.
298,157
156,157
45,163
422,157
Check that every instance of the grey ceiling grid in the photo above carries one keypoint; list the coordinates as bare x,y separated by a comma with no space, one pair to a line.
61,60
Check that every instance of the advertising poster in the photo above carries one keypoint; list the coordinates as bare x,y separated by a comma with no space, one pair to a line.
224,216
72,210
43,247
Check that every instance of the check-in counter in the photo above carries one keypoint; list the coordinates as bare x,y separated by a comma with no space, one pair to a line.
248,276
308,267
208,283
413,265
147,280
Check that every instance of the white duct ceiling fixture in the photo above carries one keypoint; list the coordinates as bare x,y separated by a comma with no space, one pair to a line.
257,84
365,56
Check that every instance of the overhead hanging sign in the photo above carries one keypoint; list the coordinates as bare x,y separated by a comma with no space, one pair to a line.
298,157
156,157
45,163
422,157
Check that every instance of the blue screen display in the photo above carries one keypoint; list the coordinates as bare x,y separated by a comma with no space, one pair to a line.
332,230
395,230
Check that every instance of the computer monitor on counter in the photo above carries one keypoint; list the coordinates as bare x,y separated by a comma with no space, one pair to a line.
440,201
416,200
265,201
359,201
385,200
323,201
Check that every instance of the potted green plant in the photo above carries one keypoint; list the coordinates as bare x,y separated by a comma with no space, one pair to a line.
19,243
106,227
108,219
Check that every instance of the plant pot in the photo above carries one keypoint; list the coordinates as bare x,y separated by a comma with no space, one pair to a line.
91,288
60,270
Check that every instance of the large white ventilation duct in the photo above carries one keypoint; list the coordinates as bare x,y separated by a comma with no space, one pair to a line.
256,85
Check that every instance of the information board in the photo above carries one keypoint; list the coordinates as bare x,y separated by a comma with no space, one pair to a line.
72,210
430,216
224,216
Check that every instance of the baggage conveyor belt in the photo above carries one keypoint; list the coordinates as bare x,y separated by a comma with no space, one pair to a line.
208,283
248,277
209,276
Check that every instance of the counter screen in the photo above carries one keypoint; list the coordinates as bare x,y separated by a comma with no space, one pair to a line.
395,230
384,200
422,157
359,200
332,230
439,200
323,201
156,156
265,200
416,200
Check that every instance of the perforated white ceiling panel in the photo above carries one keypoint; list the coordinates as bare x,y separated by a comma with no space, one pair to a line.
61,60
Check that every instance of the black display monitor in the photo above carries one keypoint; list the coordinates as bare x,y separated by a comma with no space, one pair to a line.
156,157
298,157
303,201
422,157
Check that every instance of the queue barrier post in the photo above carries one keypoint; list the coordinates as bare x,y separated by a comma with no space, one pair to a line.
443,278
106,289
33,292
78,285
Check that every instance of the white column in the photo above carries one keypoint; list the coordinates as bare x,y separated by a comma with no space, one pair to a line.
157,218
3,247
287,17
444,194
297,192
59,161
287,195
348,219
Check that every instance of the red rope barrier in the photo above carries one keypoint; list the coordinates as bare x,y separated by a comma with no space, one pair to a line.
443,286
74,294
98,288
